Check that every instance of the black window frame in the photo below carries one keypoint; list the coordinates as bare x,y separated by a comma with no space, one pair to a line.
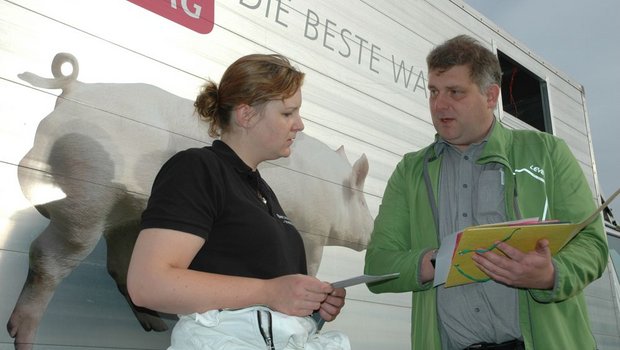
524,94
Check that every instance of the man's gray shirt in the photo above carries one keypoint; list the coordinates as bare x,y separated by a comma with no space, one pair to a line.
473,194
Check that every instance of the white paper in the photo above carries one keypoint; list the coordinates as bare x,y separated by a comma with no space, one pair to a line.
444,259
363,279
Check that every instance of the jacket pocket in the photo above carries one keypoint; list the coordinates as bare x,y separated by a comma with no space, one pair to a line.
489,204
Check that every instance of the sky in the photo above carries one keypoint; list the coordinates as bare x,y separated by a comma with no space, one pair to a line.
579,38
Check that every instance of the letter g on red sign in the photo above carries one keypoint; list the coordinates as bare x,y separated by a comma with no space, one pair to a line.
196,15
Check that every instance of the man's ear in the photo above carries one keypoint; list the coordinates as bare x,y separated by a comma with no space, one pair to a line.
492,95
243,115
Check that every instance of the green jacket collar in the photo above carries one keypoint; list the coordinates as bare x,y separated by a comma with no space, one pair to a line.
497,149
499,146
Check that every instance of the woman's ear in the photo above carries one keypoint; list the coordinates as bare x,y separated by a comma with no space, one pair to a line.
243,115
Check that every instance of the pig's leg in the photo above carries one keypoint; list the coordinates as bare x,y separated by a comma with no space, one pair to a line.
313,245
120,239
81,169
53,255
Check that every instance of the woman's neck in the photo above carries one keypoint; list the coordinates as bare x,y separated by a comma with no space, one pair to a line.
242,149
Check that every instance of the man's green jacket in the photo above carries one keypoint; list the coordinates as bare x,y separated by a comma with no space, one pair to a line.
543,179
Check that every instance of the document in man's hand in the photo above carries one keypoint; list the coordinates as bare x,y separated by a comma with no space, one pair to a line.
484,238
522,235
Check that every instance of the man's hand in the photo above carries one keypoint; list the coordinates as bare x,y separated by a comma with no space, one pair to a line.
518,269
427,270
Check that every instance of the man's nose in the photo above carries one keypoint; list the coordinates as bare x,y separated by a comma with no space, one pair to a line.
440,101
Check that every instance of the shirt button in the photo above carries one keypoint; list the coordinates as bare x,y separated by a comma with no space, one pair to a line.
477,309
466,157
464,215
464,185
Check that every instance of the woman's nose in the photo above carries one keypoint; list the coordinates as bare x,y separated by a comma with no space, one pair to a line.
299,124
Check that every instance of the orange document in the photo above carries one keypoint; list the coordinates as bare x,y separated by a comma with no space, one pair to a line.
522,235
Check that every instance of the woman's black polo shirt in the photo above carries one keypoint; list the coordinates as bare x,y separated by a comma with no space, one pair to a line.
210,192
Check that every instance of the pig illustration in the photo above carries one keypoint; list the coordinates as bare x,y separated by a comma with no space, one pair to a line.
92,165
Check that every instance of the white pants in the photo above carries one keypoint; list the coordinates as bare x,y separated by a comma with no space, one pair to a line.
242,330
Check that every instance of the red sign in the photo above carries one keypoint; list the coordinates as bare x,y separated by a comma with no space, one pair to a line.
196,15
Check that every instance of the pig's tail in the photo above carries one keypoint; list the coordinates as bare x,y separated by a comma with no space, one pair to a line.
208,107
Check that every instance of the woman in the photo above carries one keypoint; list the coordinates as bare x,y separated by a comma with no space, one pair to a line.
214,236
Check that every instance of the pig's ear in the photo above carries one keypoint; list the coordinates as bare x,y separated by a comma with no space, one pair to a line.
360,171
342,153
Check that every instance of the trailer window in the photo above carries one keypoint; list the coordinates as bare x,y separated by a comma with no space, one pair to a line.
524,94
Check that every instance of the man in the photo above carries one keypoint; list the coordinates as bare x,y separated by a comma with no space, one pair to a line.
478,172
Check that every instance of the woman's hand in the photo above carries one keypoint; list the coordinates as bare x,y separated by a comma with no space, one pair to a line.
331,306
298,295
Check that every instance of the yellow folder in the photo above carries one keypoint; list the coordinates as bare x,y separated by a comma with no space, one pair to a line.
522,235
483,238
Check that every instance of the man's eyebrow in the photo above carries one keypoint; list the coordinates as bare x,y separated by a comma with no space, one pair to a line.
448,87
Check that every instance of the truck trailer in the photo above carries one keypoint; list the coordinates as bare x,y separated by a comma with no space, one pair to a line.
96,95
